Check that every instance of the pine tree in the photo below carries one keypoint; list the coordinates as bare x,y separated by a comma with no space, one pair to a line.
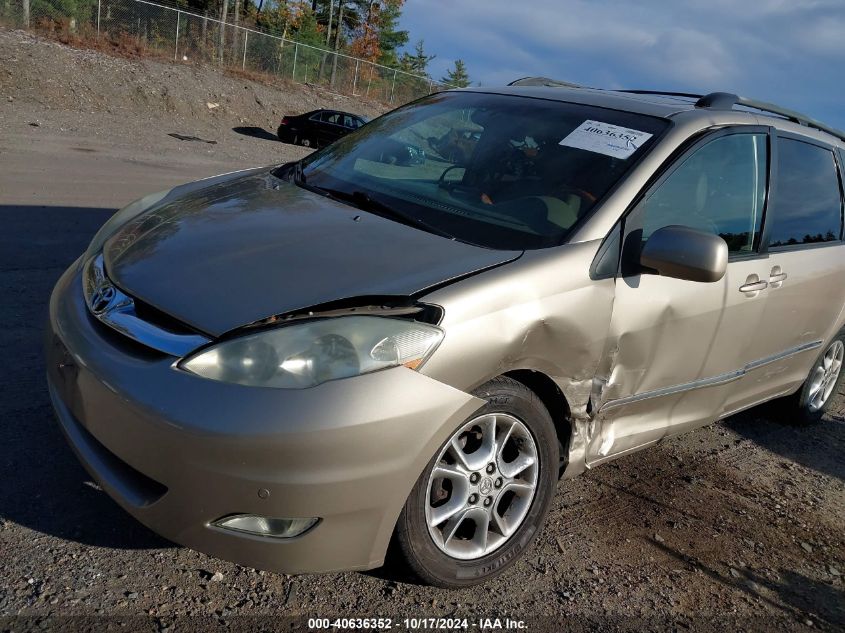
417,62
458,76
390,38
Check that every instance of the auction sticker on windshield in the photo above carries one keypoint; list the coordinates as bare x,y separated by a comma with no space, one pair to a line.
604,138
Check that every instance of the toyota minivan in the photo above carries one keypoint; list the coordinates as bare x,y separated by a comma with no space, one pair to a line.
295,367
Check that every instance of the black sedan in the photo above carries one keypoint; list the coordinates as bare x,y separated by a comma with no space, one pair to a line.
318,127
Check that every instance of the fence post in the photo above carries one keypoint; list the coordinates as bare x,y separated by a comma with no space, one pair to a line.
246,39
430,85
99,2
295,51
393,87
355,78
176,49
26,14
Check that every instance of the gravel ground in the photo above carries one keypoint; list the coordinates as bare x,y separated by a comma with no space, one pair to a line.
737,526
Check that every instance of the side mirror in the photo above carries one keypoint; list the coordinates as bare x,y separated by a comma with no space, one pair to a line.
685,253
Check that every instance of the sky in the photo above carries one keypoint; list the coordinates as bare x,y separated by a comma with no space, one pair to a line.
789,52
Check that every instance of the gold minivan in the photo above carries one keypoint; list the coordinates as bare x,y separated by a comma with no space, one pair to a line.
292,367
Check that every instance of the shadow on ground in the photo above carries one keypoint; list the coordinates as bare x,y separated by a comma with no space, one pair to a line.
792,593
819,446
256,132
45,488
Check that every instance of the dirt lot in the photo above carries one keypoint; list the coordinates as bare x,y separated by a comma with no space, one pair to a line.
72,121
739,526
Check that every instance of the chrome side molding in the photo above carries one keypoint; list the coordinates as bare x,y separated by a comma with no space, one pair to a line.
711,381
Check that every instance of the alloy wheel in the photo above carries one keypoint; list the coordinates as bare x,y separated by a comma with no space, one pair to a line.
825,376
482,486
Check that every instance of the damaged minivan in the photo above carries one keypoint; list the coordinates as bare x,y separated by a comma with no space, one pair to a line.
296,367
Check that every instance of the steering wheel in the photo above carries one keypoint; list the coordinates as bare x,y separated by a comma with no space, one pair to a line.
441,182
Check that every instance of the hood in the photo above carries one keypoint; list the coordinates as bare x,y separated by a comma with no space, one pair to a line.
231,254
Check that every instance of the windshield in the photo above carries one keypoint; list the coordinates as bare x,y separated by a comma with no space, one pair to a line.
499,171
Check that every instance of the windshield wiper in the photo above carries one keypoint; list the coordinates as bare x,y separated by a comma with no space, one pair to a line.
363,201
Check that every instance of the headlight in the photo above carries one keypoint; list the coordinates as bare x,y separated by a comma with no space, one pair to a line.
120,218
313,352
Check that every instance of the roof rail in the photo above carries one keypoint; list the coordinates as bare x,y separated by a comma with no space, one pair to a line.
663,93
543,81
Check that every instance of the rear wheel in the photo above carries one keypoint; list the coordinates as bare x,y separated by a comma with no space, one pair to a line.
483,497
821,386
305,142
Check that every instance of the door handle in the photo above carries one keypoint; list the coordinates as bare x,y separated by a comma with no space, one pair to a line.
754,286
776,277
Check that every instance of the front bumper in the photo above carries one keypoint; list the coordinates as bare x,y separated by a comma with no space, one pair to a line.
178,451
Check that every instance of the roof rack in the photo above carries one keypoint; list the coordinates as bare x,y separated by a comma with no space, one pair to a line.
727,100
544,81
714,101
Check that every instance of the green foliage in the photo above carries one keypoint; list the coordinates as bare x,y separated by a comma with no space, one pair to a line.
390,39
308,31
458,76
417,62
79,9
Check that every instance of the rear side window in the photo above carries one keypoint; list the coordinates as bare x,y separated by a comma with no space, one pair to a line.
331,117
720,188
806,207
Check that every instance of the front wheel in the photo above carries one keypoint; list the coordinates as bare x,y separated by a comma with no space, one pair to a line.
483,497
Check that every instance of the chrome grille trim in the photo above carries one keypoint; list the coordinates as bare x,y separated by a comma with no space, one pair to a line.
111,306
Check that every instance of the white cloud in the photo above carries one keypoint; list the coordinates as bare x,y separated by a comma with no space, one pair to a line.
764,48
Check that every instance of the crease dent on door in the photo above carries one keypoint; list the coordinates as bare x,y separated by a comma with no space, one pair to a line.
633,371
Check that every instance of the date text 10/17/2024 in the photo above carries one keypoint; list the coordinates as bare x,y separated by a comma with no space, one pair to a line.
418,624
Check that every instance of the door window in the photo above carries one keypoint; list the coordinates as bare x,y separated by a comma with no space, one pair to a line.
331,117
720,188
807,206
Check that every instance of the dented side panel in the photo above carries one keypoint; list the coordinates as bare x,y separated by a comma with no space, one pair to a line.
676,351
543,312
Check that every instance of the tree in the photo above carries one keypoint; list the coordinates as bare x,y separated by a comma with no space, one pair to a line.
416,63
458,76
390,39
308,31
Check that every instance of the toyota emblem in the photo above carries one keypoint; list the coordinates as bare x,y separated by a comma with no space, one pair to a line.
102,298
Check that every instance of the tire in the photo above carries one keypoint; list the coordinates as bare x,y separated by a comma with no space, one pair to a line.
520,426
808,405
305,142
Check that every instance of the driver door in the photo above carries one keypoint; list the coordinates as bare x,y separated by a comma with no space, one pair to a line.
677,348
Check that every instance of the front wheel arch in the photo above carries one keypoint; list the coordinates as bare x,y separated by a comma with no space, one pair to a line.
555,402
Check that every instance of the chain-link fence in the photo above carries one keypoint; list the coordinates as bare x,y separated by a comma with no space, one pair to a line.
159,30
